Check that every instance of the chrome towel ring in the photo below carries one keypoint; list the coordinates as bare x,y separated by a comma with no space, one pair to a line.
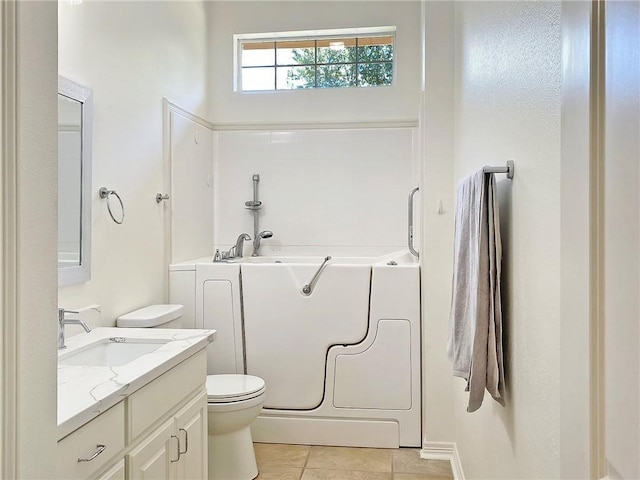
104,192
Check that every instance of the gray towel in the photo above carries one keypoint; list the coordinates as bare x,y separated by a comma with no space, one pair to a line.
475,336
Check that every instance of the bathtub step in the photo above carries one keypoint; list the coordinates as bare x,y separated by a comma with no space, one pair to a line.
326,431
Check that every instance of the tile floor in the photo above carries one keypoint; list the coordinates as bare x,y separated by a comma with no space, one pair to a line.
303,462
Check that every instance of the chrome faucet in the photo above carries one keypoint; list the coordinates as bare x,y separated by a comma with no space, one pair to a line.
256,241
67,321
237,250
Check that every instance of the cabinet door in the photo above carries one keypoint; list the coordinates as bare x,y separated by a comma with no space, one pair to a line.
191,427
114,473
155,457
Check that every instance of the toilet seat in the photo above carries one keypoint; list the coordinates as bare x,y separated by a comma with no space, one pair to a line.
233,388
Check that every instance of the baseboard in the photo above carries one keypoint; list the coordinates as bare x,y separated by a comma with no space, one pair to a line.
444,451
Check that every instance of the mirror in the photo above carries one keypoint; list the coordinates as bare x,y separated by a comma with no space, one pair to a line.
75,111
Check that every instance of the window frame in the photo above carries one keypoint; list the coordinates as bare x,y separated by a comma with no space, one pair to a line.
308,35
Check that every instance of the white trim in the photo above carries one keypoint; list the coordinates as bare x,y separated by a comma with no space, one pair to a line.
444,451
8,242
327,33
338,33
169,106
80,272
279,126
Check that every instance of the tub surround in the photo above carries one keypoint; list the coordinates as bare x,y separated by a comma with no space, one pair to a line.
85,392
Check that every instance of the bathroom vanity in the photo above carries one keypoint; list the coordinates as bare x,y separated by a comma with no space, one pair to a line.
145,418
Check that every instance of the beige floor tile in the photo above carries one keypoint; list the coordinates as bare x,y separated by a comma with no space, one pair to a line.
281,455
349,458
407,460
279,473
321,474
417,476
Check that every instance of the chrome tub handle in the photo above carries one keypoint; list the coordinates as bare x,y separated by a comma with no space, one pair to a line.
308,288
410,223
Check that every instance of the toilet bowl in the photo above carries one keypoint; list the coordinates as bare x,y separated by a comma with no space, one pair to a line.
233,402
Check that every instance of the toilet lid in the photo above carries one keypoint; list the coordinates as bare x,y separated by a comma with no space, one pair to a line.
228,388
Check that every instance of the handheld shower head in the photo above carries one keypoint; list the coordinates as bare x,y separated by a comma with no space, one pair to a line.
256,241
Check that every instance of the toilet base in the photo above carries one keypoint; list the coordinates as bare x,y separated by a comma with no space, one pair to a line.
231,456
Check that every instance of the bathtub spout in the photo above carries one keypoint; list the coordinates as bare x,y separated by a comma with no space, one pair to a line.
237,250
256,241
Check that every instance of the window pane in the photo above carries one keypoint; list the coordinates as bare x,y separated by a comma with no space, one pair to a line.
373,74
337,50
258,54
258,78
375,49
336,76
300,52
329,59
291,78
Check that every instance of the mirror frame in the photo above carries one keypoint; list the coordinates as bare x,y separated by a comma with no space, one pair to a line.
84,95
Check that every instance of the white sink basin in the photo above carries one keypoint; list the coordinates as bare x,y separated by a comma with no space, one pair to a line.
110,352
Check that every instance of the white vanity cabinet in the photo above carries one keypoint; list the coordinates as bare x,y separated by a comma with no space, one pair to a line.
157,432
114,473
93,446
176,449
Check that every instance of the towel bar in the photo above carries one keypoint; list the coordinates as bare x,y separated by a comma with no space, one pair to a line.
509,169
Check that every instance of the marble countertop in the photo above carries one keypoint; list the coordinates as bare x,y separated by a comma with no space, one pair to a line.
85,392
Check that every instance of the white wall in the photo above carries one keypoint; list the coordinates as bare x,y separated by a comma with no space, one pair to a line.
131,54
622,240
399,102
575,211
323,191
34,293
437,150
506,105
191,202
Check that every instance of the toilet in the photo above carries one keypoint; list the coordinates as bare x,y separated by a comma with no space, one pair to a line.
233,403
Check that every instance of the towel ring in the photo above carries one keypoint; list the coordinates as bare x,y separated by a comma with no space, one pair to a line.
106,193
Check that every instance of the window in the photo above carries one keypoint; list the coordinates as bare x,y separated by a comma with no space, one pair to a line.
331,58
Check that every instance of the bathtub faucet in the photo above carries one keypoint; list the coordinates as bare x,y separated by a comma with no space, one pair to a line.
237,250
234,252
256,241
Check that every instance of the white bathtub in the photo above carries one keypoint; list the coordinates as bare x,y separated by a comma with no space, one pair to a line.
342,365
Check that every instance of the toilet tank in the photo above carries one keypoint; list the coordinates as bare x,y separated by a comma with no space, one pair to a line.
153,316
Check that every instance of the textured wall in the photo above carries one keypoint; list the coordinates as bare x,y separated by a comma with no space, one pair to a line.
622,240
35,321
131,54
437,150
507,106
399,101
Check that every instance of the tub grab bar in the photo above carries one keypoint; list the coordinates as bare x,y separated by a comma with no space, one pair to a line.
410,236
308,288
